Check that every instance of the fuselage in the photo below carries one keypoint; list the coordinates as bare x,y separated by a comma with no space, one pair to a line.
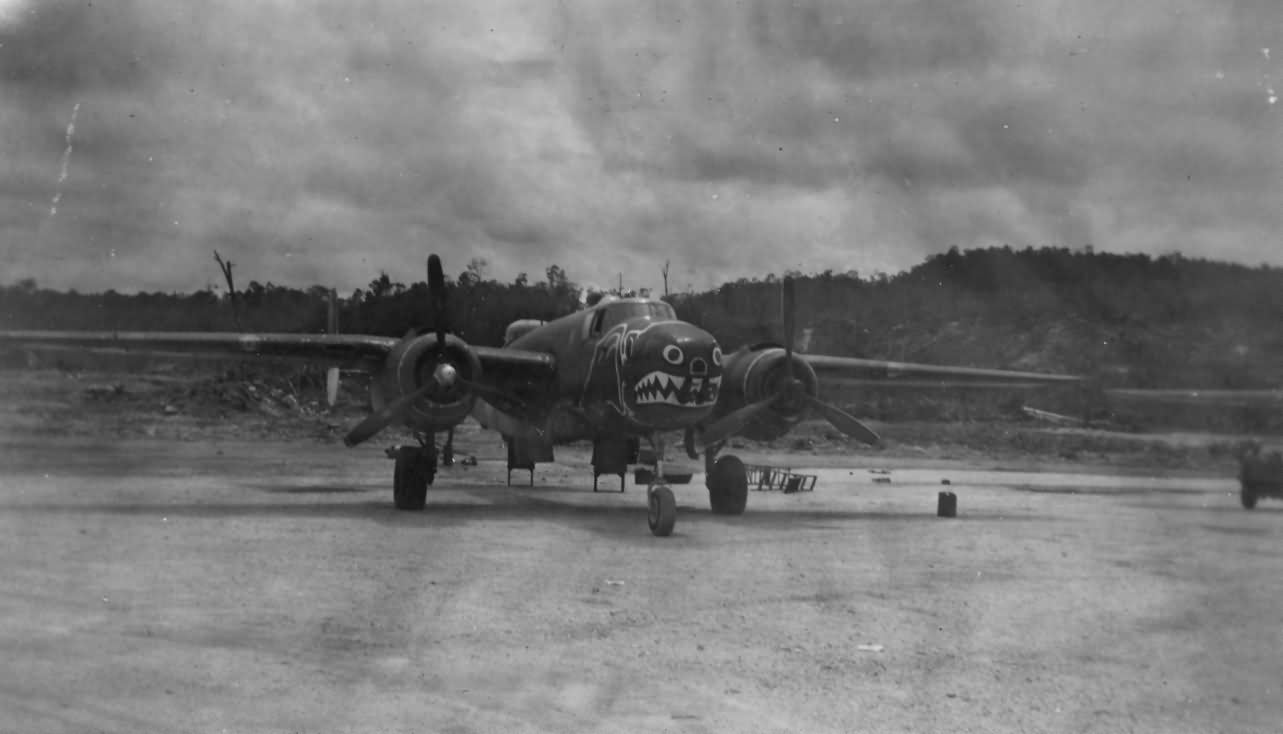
628,366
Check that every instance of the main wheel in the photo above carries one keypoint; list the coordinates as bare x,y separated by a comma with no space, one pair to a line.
1248,496
661,511
411,477
728,486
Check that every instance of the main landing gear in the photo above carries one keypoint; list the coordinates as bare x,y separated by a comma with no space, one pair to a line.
727,482
416,467
726,478
447,451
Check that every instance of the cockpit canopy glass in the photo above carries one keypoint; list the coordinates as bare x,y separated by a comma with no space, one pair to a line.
619,311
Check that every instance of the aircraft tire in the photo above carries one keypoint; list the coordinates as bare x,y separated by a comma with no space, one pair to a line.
1248,496
728,487
409,481
661,511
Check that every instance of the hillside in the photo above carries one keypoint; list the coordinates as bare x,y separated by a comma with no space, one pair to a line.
1136,320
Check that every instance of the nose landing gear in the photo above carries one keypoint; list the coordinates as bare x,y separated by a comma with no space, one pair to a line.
661,512
661,504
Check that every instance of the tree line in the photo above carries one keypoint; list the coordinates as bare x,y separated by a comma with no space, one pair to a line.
479,309
1139,320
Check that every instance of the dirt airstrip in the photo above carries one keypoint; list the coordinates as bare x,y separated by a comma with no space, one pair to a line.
209,582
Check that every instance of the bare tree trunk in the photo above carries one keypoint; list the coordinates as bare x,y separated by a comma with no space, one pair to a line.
332,327
226,267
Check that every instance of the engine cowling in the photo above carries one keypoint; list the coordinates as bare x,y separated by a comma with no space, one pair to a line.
414,363
756,373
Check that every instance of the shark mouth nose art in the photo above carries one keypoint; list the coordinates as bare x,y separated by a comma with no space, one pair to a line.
664,388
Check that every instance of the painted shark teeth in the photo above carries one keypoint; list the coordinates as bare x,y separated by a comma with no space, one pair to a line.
663,388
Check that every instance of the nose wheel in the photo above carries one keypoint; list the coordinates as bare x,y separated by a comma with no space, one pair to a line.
661,512
661,505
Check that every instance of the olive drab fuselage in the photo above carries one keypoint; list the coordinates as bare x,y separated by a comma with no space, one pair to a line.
628,366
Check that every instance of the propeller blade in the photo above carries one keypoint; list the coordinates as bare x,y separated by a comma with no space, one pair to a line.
436,293
379,420
494,395
790,322
844,422
733,422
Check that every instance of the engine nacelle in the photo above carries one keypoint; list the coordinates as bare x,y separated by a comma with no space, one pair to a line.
756,373
412,364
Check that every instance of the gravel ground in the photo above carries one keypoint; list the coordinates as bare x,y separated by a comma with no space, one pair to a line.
269,586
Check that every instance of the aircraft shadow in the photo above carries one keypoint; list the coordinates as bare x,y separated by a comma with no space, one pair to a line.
777,516
1231,506
312,489
1257,531
212,509
1114,492
502,505
617,522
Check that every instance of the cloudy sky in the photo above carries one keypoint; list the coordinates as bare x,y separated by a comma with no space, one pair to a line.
323,142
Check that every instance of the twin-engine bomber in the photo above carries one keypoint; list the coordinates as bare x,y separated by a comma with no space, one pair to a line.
619,373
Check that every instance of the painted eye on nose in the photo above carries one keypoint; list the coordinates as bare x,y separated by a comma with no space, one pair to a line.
627,349
717,356
673,354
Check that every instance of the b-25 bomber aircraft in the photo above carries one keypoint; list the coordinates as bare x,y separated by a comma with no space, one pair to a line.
618,373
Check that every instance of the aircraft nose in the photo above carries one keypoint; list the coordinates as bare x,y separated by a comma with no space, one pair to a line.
674,372
680,348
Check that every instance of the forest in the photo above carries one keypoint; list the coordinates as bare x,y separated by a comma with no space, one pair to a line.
1130,320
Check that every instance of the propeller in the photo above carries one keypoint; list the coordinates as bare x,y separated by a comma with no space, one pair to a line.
792,391
445,377
838,418
391,413
497,397
734,421
843,421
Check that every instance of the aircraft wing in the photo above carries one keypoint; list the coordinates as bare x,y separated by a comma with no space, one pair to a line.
882,373
349,351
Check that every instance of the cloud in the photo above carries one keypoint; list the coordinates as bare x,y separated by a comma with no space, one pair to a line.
325,142
61,46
